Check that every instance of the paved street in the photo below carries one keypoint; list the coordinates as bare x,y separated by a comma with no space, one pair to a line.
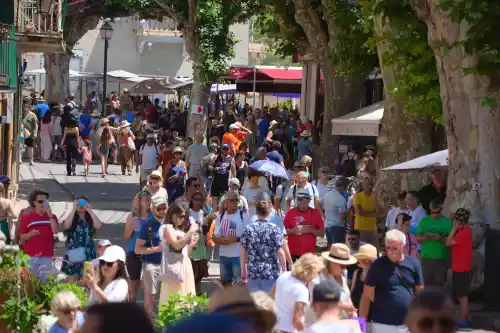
110,197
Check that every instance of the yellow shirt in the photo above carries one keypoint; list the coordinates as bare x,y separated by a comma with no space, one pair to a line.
367,203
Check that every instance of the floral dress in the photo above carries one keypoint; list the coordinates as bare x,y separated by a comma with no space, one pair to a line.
81,236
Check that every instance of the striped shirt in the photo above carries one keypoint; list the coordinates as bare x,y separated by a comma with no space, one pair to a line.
41,245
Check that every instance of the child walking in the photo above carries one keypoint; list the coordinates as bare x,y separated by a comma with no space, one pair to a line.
86,151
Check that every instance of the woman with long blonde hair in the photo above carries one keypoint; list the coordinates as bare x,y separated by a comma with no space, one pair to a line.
291,293
141,212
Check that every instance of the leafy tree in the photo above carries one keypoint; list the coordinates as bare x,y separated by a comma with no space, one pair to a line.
78,20
331,33
209,42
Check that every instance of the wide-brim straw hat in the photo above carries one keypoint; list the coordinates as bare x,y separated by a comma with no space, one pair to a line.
104,121
366,252
340,254
237,301
156,173
124,123
95,113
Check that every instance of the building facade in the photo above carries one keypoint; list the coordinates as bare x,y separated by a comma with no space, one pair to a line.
137,46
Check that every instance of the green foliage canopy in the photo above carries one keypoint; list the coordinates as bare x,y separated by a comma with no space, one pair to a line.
416,84
205,25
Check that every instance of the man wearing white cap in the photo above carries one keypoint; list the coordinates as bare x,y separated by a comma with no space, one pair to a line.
148,159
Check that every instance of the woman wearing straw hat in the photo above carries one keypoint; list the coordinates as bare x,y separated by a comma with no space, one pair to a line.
304,145
124,137
366,255
336,262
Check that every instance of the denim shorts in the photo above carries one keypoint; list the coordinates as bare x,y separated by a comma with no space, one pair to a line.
260,285
230,269
335,234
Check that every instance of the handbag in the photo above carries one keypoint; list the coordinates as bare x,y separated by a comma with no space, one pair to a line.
130,144
171,266
76,256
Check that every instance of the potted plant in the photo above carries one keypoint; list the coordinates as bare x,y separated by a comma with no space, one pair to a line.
178,308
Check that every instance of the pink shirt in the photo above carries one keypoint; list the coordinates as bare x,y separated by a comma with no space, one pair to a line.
411,247
86,154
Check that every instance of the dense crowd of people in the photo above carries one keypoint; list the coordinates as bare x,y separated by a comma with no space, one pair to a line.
197,199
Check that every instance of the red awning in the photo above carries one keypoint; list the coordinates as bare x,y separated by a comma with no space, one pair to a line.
236,73
282,73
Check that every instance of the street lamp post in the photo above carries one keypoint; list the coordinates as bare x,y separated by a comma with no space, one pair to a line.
106,33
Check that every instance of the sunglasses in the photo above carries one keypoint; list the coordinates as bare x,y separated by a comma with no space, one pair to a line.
105,263
161,208
446,323
303,198
155,178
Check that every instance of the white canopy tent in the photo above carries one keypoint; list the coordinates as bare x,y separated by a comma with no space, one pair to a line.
121,74
362,122
72,73
151,86
438,159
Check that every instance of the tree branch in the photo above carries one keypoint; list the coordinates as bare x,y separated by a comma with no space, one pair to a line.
421,9
312,24
169,10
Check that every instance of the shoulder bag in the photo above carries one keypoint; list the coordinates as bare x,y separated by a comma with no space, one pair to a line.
171,268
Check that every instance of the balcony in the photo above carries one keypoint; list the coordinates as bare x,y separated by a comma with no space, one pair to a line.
151,31
7,59
39,26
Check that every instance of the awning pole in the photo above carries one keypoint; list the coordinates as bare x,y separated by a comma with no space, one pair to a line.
254,85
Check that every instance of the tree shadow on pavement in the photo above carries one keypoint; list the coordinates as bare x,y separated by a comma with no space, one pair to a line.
104,196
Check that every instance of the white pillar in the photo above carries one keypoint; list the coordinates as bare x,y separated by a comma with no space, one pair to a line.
312,89
303,90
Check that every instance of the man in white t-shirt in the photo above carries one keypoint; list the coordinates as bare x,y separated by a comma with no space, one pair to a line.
417,212
390,222
303,184
148,159
229,227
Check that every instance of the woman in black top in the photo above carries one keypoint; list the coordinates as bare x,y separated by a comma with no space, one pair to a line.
366,255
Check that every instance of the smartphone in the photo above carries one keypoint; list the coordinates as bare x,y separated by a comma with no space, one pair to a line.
81,202
88,268
46,203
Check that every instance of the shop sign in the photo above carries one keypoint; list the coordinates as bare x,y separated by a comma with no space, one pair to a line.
355,129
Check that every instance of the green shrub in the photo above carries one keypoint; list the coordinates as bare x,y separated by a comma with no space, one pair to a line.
178,308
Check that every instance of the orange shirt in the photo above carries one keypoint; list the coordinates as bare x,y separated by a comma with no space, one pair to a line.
232,140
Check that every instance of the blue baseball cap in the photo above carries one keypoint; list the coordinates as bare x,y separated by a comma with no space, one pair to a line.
226,146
